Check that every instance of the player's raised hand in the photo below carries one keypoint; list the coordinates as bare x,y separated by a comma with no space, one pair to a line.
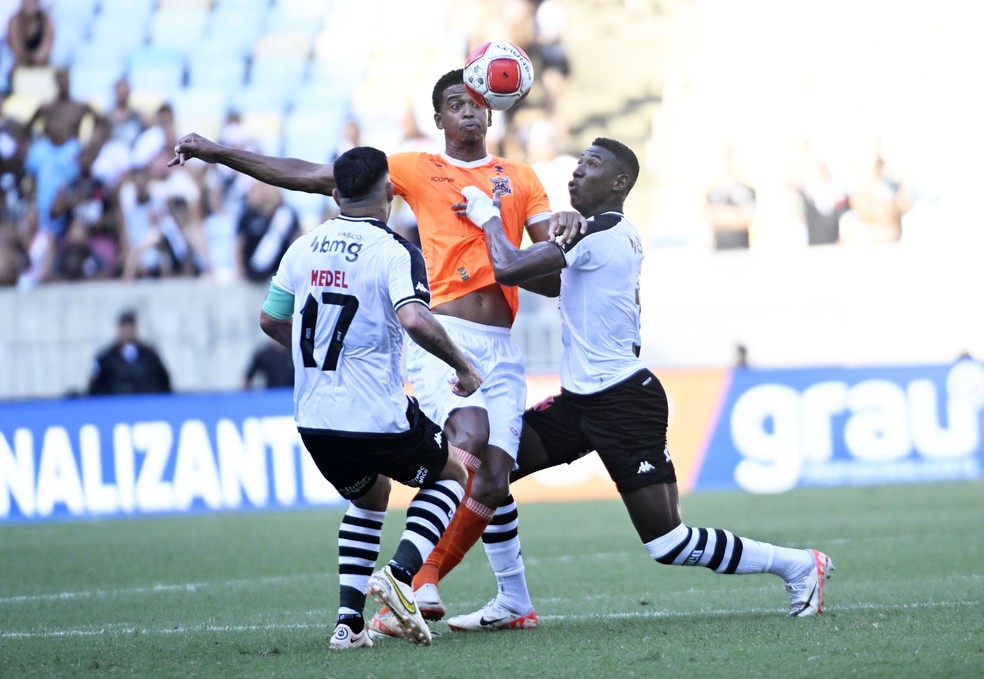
467,381
480,208
564,227
193,146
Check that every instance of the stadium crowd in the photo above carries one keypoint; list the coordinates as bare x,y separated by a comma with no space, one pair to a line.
87,195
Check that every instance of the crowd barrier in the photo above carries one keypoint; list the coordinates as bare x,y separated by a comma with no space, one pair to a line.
761,431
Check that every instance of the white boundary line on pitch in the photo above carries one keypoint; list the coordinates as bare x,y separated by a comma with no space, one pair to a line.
123,629
160,588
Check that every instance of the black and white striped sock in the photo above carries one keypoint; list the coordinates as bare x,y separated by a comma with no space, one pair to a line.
428,517
358,549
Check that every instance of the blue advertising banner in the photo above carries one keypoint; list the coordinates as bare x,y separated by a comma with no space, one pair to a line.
154,454
783,429
761,431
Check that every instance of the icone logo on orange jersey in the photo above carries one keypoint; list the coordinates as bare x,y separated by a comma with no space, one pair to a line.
443,179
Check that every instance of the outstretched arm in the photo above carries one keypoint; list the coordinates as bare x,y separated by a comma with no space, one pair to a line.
288,173
512,266
421,325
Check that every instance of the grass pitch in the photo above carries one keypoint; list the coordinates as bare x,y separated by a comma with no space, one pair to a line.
254,595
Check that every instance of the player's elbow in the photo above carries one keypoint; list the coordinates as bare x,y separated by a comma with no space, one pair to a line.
413,318
508,273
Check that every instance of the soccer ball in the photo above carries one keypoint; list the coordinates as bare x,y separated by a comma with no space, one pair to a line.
498,75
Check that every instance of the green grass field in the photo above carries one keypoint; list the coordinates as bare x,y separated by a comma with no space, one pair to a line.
254,595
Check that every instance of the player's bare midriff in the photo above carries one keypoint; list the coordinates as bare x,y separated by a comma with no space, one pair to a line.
486,305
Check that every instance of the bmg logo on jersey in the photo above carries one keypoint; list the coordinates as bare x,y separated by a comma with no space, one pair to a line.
328,246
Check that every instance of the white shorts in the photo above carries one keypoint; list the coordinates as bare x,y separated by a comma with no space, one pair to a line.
503,391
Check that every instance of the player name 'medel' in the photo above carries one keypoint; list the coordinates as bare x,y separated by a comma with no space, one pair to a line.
327,277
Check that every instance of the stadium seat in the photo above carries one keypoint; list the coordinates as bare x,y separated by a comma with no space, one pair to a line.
265,128
156,69
313,134
72,13
184,4
20,107
284,73
326,95
283,44
69,36
296,16
37,82
200,109
94,81
240,5
134,12
177,28
236,30
113,36
225,73
265,99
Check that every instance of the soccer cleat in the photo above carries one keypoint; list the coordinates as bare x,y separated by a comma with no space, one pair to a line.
389,591
343,638
806,594
429,602
492,616
385,625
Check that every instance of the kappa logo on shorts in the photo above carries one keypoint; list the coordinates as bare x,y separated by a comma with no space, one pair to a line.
666,452
645,467
463,272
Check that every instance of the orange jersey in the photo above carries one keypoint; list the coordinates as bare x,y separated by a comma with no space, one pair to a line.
454,248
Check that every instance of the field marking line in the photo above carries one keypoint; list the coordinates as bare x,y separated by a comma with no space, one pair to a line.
160,588
124,629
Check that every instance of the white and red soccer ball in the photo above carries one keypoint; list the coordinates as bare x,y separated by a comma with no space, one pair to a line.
498,75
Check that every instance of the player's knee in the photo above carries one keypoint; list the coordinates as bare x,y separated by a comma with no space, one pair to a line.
468,429
454,470
377,497
490,485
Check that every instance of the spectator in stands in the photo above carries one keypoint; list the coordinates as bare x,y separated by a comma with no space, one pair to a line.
30,34
878,202
554,65
824,200
14,259
164,238
351,136
156,140
270,367
62,117
52,158
125,122
128,366
730,208
91,247
553,167
141,215
267,227
39,248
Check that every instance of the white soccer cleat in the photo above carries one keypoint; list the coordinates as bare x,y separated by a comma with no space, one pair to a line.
389,591
806,594
385,625
429,602
343,638
491,617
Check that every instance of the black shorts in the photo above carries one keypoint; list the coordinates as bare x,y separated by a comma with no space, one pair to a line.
352,462
625,423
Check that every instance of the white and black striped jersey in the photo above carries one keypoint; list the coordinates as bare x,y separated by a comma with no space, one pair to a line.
348,277
599,305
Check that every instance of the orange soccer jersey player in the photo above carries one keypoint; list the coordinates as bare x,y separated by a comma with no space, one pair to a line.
477,312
